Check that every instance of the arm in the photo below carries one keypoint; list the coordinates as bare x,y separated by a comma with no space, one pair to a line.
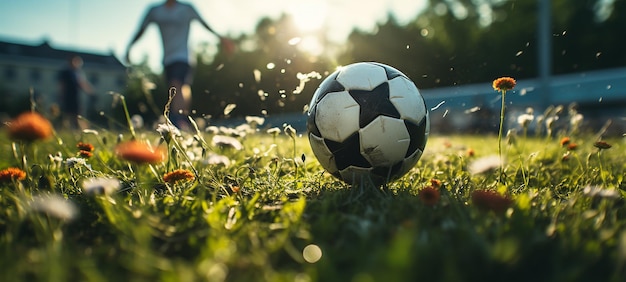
203,22
226,44
84,84
142,28
208,27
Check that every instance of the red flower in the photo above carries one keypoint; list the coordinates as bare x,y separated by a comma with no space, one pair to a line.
491,201
572,146
504,84
178,175
12,173
429,195
138,152
565,141
30,126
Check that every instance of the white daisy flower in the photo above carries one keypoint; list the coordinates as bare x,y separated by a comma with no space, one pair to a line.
101,185
274,131
54,205
137,121
525,119
599,192
215,159
485,164
168,131
75,162
226,141
254,121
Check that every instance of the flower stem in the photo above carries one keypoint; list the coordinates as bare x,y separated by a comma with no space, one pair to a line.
500,137
128,120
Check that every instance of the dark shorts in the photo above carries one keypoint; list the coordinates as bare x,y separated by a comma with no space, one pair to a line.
179,71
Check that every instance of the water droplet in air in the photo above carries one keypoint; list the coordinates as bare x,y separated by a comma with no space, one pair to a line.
257,75
294,41
312,253
229,108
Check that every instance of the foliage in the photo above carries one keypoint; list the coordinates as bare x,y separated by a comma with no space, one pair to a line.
448,43
252,214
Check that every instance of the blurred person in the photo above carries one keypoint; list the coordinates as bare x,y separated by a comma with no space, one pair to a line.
174,19
71,82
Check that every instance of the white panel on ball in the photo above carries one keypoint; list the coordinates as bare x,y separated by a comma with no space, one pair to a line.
354,174
384,141
337,116
407,99
323,155
410,162
362,76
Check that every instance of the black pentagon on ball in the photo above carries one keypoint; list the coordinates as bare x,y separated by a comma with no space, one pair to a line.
347,153
329,85
311,126
418,136
387,173
374,103
391,72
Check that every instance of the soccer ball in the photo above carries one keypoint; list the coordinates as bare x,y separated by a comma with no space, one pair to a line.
367,123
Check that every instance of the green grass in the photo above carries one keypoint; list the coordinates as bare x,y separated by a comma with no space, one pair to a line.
252,219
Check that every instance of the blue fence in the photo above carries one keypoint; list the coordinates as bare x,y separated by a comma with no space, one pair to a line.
598,95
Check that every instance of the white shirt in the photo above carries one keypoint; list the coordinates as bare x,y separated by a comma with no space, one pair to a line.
174,23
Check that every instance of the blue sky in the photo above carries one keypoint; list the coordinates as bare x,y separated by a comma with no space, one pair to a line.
107,26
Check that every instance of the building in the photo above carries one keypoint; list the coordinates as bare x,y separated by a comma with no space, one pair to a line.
26,69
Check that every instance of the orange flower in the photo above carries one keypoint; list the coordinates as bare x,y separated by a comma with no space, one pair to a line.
85,154
504,84
235,189
30,126
12,173
491,201
470,152
565,141
572,146
84,147
602,145
138,152
178,175
429,195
